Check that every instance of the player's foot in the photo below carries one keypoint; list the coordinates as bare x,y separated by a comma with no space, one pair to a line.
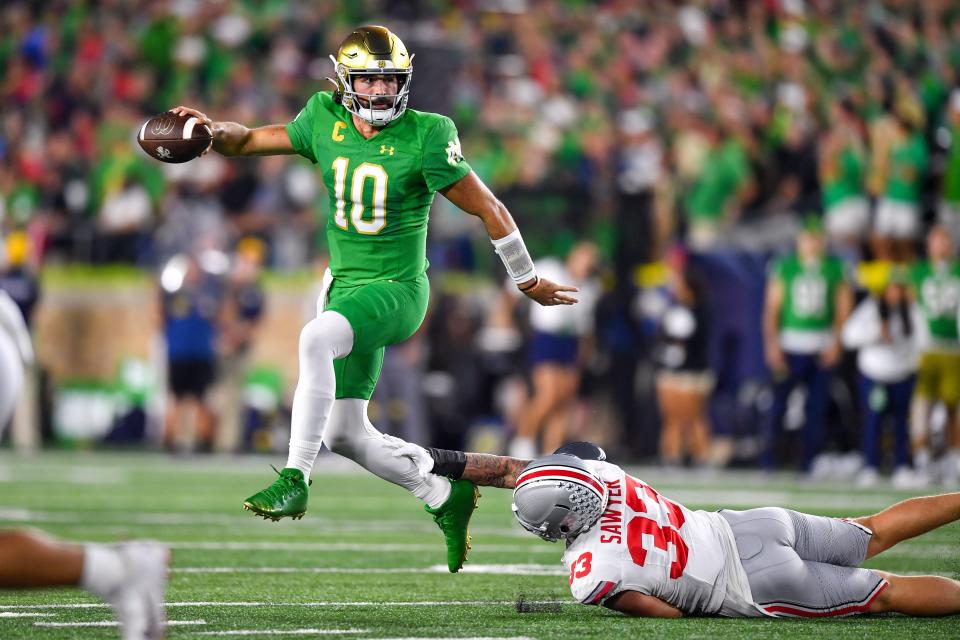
138,600
286,497
453,518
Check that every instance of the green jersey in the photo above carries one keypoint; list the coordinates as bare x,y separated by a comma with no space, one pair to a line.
809,293
937,290
724,170
908,164
380,188
847,180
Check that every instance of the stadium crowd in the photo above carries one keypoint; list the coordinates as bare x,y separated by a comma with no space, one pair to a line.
673,154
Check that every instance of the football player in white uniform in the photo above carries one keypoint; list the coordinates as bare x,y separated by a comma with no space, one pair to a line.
131,577
633,550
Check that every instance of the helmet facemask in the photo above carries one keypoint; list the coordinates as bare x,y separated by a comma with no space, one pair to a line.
377,115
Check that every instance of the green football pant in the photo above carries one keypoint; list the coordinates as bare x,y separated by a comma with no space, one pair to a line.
380,314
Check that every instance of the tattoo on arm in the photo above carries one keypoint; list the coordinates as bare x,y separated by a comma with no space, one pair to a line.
493,471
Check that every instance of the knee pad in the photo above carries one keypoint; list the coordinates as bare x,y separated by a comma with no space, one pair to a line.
329,335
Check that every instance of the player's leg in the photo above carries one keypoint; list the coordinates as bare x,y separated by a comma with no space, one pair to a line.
324,339
921,407
950,393
131,577
771,541
556,431
699,434
351,434
670,429
918,596
541,404
900,394
908,519
870,438
773,421
818,393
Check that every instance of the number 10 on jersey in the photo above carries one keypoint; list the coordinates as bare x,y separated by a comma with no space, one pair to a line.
378,220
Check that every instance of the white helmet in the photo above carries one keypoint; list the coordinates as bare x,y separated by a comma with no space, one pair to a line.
558,497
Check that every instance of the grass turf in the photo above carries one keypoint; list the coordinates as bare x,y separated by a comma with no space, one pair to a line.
367,561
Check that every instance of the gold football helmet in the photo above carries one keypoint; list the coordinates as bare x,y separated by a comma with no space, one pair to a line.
372,50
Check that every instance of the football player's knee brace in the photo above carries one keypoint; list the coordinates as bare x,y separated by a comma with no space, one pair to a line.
329,336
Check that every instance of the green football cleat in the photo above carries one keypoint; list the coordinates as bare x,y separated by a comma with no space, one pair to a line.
453,518
285,498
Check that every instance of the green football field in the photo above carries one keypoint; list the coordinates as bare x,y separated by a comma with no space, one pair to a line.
367,562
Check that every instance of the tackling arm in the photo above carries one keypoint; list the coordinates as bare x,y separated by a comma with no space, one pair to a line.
470,194
492,471
233,139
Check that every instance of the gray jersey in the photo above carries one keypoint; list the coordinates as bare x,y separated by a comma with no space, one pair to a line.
647,543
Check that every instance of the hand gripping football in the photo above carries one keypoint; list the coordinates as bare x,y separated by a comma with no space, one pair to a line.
168,137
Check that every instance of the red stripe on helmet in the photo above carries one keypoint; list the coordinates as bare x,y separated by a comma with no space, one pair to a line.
563,472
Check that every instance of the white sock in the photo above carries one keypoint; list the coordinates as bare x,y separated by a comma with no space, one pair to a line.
921,459
351,434
435,490
323,340
103,570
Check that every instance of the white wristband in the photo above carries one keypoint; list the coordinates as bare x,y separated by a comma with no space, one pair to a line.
516,259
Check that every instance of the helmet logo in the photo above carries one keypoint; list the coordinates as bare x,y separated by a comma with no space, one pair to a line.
381,63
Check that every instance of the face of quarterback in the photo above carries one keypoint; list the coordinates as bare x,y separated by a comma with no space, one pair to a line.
386,85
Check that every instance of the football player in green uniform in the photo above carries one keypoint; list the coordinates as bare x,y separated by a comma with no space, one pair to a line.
382,164
936,285
807,301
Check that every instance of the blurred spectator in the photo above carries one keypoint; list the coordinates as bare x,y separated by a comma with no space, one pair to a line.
237,328
883,329
897,220
714,198
20,283
684,380
191,300
843,155
948,213
807,301
936,285
17,277
718,124
559,342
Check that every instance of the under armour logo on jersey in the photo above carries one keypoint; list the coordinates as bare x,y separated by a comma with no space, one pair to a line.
454,154
163,152
385,149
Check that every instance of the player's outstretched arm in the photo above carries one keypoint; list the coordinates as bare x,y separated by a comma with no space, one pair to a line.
634,603
470,194
482,469
233,139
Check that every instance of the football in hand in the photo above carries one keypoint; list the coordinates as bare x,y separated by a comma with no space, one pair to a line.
169,137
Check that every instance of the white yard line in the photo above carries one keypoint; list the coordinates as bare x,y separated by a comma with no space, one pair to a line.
114,623
24,614
495,569
331,603
356,546
281,632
